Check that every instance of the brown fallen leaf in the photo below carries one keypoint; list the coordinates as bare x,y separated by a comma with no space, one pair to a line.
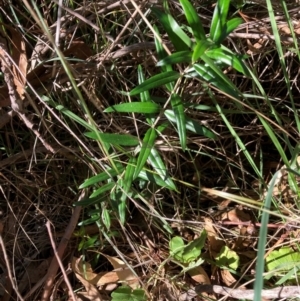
199,275
124,273
18,50
84,269
227,278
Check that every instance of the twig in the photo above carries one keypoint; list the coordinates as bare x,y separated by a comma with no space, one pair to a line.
59,261
274,293
14,285
60,251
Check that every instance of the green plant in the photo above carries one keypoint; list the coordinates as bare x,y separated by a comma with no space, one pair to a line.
205,57
187,255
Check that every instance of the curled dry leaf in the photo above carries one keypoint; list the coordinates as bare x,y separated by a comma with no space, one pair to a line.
124,273
84,269
20,58
215,242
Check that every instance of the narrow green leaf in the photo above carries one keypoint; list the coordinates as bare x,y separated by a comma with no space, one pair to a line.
176,58
145,96
215,79
106,218
101,177
155,81
153,178
232,25
114,139
200,48
158,165
192,125
193,20
148,143
90,201
177,36
262,241
218,23
178,109
135,107
103,189
233,60
128,178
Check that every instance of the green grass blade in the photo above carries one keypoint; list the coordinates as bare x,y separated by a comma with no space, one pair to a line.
103,189
236,137
229,59
158,165
178,109
114,139
148,143
218,23
108,174
260,263
177,36
155,81
211,77
155,179
135,107
176,58
192,125
193,20
200,49
232,25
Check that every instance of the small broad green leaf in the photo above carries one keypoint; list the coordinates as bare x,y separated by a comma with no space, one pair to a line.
114,139
193,20
126,293
177,36
176,246
176,58
135,107
108,174
227,258
155,81
230,59
193,249
218,23
178,109
282,261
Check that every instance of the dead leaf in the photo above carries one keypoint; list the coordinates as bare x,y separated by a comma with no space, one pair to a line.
84,269
199,275
235,215
91,291
19,56
227,278
215,243
123,271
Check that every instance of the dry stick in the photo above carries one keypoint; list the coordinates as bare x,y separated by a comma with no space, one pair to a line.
59,261
274,293
12,280
52,271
